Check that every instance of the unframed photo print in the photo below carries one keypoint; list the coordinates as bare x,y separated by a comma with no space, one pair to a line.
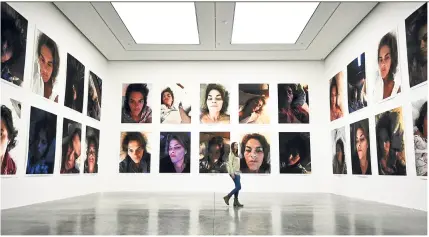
136,103
293,103
339,164
255,153
11,126
94,96
253,103
71,147
420,131
92,150
135,155
360,148
214,151
336,92
214,104
295,154
175,104
74,84
356,84
175,152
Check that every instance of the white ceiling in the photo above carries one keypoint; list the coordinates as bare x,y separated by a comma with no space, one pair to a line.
329,25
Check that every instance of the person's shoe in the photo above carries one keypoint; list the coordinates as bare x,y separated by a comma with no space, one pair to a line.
226,199
237,203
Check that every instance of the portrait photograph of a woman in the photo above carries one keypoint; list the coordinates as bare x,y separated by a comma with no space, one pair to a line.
253,103
71,147
94,96
92,150
356,84
255,153
295,154
416,26
136,103
74,84
360,148
175,152
46,68
175,104
135,153
41,142
13,44
389,132
10,144
420,132
214,104
214,151
388,80
293,103
336,92
339,164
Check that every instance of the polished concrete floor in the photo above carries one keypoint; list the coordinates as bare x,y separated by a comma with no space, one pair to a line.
206,214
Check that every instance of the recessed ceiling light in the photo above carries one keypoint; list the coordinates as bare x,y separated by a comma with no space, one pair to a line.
159,22
270,22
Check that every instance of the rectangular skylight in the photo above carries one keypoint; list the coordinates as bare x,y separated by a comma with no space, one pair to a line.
270,22
160,22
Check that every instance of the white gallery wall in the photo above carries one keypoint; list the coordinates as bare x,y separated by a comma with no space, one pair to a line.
407,191
230,74
22,189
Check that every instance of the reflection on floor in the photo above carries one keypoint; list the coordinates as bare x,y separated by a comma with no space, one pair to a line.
206,214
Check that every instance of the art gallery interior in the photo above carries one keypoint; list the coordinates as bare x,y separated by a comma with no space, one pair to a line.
327,102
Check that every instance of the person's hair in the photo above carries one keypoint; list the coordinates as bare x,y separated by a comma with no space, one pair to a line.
341,144
333,84
142,88
13,35
364,127
265,146
168,89
133,136
389,40
44,40
6,117
422,115
77,132
217,141
91,140
183,139
75,77
250,101
223,93
44,124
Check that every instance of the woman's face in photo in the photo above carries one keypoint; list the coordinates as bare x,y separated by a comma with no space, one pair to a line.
339,153
136,103
91,154
257,105
361,144
176,151
76,144
42,144
4,138
214,151
253,154
135,151
167,99
384,61
214,101
46,63
70,162
289,95
333,96
423,42
7,53
235,148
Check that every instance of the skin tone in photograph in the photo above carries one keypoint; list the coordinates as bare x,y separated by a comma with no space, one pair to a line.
7,141
135,108
420,141
252,109
177,153
253,154
91,154
135,151
336,111
167,99
362,149
215,105
387,63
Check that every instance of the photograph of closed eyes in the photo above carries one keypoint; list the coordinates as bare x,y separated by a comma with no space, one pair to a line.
253,101
255,153
389,130
295,155
214,103
135,152
136,103
175,152
360,148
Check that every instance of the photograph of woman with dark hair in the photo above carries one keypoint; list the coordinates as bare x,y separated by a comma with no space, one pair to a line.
295,155
255,154
175,152
215,156
91,161
214,108
71,153
234,173
339,165
74,84
175,108
94,96
390,143
13,44
253,99
42,140
420,116
293,103
8,140
388,82
135,108
335,96
356,84
416,26
134,153
46,68
359,142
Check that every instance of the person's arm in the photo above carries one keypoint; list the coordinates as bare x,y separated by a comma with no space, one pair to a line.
185,118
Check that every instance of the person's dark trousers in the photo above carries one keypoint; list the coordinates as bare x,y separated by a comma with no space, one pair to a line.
234,192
